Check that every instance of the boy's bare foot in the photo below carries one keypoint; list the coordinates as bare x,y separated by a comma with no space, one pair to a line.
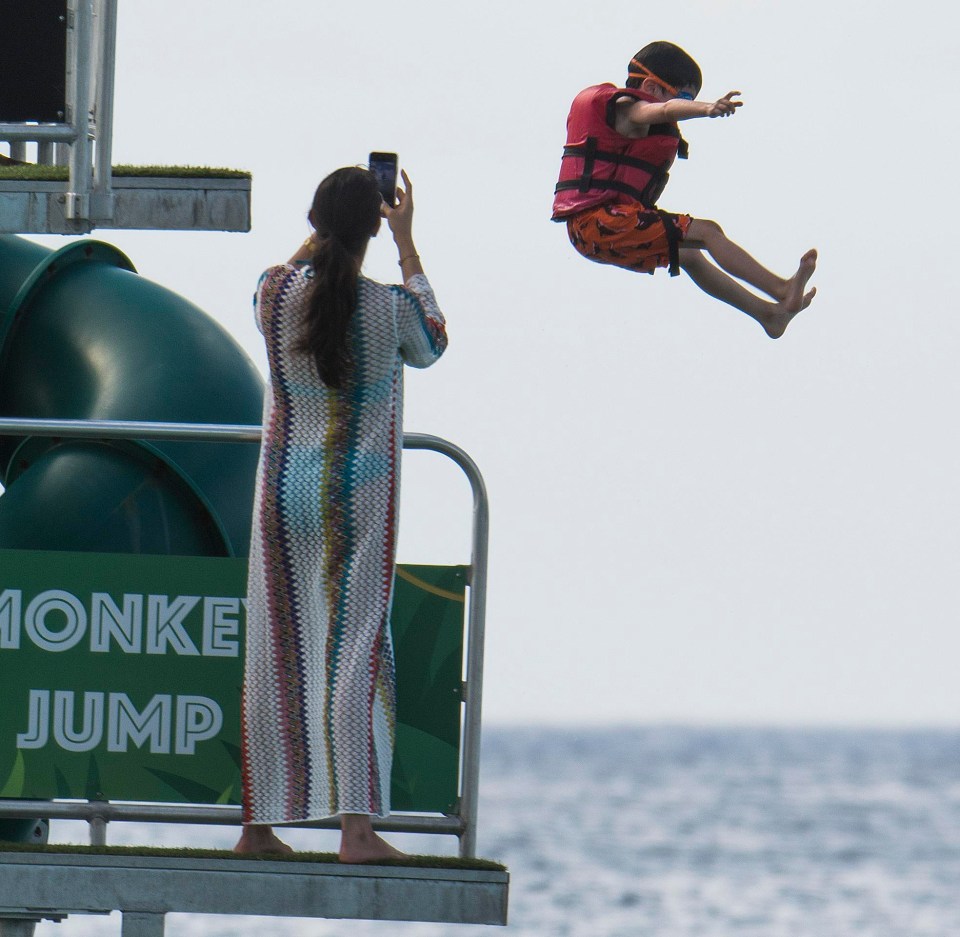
794,298
776,321
363,845
257,839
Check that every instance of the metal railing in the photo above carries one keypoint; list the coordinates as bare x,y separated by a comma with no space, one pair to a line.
462,824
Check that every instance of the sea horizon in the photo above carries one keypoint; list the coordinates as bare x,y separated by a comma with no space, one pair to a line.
686,831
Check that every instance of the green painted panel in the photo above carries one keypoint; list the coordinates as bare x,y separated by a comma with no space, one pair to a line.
120,678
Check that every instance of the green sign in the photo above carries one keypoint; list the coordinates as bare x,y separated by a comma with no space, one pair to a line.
120,678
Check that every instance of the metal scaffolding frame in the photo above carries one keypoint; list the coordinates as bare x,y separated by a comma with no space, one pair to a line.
90,197
87,129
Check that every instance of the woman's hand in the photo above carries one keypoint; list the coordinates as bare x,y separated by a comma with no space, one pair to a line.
400,216
400,219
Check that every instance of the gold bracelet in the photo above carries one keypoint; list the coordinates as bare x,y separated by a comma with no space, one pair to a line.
403,260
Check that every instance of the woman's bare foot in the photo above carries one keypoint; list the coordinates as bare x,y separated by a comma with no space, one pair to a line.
359,843
258,839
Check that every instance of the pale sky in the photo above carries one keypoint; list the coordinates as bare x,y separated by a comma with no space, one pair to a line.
689,521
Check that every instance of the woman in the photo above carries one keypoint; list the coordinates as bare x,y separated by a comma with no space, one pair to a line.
318,702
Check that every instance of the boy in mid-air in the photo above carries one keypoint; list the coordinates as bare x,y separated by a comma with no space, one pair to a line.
620,144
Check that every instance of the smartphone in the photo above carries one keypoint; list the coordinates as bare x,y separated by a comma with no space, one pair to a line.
384,167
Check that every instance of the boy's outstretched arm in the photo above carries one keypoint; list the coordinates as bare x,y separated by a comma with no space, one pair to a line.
636,114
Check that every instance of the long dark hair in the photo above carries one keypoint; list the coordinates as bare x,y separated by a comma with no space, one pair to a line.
345,214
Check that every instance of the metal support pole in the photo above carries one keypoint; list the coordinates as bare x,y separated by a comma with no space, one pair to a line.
33,133
103,111
80,17
98,824
18,927
23,925
137,924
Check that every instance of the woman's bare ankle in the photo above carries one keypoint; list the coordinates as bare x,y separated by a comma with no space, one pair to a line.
259,839
360,843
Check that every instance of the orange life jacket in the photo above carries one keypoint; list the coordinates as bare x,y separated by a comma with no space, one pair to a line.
600,165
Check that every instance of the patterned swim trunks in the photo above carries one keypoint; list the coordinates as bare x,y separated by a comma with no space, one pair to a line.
628,236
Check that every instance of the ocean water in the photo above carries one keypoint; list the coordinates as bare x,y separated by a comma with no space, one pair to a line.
680,832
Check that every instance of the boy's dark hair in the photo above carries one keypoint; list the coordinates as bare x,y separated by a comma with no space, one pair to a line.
669,63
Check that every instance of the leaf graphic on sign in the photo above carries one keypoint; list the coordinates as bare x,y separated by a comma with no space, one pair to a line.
63,785
192,792
17,779
94,789
233,751
414,788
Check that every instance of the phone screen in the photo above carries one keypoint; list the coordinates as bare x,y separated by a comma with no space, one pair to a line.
384,167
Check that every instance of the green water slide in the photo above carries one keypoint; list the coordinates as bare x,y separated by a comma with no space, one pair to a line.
83,336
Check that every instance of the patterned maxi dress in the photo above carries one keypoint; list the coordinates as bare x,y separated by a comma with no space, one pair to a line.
318,702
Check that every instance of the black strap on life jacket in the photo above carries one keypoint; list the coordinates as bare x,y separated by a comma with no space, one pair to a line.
673,241
588,152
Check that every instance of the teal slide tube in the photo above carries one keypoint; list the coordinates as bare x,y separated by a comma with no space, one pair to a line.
84,337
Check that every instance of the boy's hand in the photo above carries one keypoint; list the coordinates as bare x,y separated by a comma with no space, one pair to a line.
725,106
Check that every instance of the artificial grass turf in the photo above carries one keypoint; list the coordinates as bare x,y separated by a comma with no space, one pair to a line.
34,173
419,862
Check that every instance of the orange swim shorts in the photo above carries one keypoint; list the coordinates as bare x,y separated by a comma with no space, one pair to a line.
626,235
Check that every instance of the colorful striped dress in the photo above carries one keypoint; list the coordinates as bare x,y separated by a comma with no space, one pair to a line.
318,699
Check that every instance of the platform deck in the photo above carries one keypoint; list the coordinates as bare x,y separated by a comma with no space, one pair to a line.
50,885
141,203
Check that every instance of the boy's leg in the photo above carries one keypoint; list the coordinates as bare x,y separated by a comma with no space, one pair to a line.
738,263
774,317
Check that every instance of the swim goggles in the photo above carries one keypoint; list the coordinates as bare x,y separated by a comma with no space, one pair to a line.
640,70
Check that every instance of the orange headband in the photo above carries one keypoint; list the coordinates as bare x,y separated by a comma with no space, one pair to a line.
641,71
